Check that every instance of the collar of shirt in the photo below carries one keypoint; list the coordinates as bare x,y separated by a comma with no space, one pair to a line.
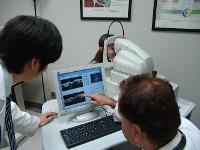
172,144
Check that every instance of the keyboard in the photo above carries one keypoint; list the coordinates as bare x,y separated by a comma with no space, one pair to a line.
89,131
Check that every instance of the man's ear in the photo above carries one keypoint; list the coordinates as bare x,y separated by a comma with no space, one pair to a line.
33,63
138,132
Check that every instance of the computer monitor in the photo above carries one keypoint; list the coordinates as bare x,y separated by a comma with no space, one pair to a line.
71,83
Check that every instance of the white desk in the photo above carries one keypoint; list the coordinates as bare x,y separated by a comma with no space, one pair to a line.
52,139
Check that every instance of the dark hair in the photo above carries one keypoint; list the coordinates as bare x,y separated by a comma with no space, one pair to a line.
99,55
150,103
26,37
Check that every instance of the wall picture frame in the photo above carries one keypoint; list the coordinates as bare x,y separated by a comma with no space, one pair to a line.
176,15
105,10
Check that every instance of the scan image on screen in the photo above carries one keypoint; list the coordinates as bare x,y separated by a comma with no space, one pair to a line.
96,77
75,98
74,83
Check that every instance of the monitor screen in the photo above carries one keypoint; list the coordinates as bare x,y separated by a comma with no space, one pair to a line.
75,82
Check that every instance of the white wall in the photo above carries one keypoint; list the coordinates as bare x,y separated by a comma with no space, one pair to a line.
11,8
175,54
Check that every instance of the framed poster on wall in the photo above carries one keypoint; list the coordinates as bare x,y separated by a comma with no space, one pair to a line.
176,15
105,9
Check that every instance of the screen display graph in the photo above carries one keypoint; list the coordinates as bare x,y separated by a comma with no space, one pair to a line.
74,83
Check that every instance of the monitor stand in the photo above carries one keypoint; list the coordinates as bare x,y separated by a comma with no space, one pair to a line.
85,116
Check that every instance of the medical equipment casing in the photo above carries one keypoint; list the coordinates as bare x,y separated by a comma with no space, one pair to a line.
130,60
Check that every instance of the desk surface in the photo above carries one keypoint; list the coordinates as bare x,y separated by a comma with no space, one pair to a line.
52,139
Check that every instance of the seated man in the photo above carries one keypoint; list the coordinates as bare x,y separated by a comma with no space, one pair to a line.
150,117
